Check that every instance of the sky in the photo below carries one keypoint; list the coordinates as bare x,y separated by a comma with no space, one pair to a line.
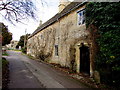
44,13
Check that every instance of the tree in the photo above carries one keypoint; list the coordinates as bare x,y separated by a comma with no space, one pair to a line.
15,10
104,16
22,39
22,42
6,35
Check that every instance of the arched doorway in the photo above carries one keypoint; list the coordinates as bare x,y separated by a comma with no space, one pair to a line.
84,59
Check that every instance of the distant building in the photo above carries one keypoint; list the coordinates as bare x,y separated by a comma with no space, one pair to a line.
64,40
12,44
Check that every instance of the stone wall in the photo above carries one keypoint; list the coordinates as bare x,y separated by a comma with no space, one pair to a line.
66,33
69,33
41,44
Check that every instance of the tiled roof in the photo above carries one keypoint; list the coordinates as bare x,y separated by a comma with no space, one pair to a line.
72,6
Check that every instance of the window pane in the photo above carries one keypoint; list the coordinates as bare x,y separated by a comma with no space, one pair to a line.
81,17
56,50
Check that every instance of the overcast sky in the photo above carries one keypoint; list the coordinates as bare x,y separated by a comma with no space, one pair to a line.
45,12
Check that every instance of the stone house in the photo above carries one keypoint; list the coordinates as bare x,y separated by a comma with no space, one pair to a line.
64,40
12,44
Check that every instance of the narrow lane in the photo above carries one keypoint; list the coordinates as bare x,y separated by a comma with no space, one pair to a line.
20,76
45,74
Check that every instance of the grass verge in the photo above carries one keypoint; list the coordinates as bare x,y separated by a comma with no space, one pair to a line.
16,50
5,54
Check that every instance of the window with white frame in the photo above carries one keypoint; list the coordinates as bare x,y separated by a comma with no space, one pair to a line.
81,16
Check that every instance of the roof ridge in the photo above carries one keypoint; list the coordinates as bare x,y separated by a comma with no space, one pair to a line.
72,6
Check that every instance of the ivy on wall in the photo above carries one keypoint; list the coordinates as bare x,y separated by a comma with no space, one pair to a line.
106,17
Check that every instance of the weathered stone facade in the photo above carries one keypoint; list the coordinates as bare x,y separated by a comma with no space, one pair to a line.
65,35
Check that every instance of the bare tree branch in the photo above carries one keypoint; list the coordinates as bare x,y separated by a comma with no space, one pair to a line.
16,10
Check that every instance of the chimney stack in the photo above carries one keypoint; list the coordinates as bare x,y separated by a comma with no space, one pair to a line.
40,23
63,4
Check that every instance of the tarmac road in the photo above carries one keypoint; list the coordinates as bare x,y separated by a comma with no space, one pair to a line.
27,73
20,75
